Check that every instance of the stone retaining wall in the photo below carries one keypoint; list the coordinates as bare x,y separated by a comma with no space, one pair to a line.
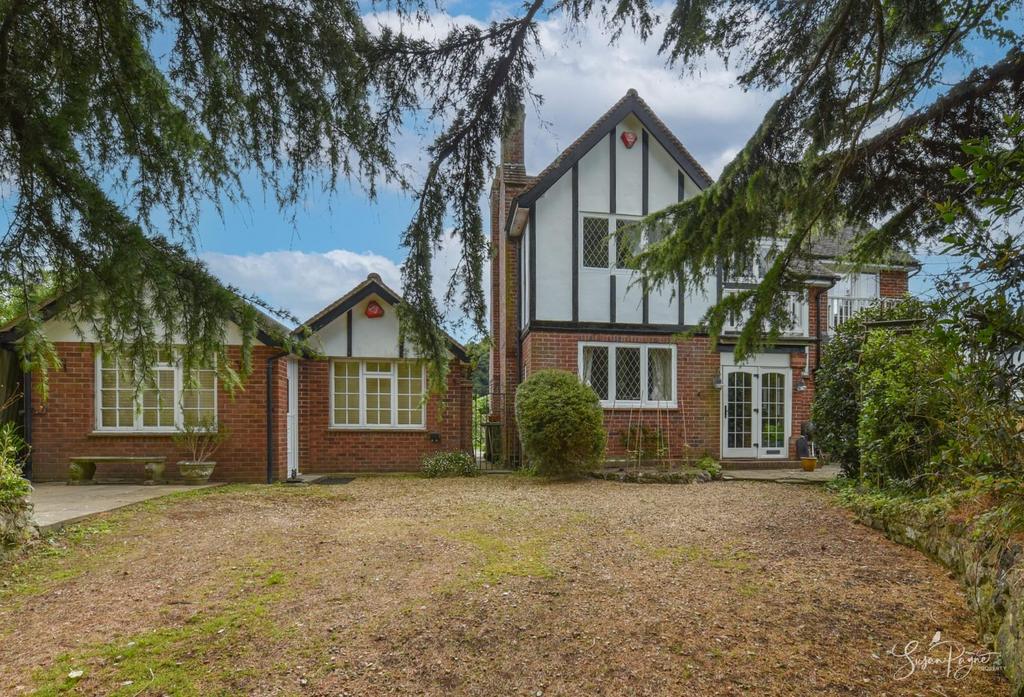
16,525
991,570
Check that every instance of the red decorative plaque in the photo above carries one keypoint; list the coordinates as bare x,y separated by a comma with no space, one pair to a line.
374,310
628,139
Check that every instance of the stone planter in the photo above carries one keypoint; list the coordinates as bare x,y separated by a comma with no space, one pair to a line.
155,472
195,472
81,472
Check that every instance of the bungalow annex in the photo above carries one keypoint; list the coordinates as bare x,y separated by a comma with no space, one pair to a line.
360,405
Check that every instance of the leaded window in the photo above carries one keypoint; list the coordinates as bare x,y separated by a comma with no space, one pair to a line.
595,242
630,374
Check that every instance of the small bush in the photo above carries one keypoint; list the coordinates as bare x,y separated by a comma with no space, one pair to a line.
561,425
709,465
453,464
13,487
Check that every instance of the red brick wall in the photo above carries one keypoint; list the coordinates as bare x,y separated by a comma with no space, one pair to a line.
322,449
893,284
63,426
693,429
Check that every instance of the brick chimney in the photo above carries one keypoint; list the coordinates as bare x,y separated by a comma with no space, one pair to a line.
510,180
513,151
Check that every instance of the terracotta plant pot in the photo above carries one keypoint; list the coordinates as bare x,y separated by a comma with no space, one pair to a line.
195,472
809,463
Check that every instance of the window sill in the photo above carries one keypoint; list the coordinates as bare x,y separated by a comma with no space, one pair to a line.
130,434
382,429
630,406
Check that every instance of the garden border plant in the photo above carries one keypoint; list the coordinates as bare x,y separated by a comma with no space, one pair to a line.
449,464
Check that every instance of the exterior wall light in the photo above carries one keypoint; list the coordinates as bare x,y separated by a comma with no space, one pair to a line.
801,385
717,382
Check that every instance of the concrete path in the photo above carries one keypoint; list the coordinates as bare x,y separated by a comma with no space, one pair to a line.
787,476
57,504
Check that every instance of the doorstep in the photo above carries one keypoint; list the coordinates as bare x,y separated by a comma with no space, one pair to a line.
737,464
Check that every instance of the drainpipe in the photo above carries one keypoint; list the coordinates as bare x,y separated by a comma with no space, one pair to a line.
26,429
270,417
817,331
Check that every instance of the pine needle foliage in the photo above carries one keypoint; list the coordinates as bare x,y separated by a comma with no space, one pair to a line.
119,119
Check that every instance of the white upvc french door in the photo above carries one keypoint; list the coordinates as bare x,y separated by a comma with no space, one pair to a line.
756,407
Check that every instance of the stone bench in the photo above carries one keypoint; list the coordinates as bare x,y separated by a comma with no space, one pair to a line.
83,469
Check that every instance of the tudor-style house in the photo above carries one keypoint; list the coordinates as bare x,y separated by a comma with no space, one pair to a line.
563,297
354,399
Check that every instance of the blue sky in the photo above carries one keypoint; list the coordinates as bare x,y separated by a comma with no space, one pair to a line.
336,239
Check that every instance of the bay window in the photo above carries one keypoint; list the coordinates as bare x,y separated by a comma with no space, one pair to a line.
164,401
378,394
630,375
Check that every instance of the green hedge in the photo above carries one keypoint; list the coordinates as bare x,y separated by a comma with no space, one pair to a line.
561,424
836,408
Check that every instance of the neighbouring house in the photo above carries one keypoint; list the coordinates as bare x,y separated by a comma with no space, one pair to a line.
360,405
563,298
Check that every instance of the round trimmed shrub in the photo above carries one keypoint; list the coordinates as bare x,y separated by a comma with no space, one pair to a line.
561,425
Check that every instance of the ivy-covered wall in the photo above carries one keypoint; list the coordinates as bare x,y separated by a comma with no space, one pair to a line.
990,567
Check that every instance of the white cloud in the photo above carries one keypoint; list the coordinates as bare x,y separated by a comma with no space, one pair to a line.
303,283
580,77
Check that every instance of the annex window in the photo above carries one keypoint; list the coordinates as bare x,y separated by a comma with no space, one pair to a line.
165,400
604,243
378,394
630,375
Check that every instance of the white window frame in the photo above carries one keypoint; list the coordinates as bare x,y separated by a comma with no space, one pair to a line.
643,402
362,425
613,242
137,427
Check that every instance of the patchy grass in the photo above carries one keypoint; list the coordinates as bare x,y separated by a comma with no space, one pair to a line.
476,587
502,559
190,659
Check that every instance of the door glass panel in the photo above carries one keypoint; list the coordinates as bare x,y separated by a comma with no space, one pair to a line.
739,410
773,410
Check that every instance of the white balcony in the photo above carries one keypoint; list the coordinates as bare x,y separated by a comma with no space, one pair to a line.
796,306
843,308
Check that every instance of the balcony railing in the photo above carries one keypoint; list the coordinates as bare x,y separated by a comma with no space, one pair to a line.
796,307
842,309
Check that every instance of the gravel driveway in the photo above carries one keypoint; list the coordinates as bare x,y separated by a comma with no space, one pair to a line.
492,586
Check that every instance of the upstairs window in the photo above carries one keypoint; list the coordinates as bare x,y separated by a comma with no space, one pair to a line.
595,242
603,243
164,401
630,375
